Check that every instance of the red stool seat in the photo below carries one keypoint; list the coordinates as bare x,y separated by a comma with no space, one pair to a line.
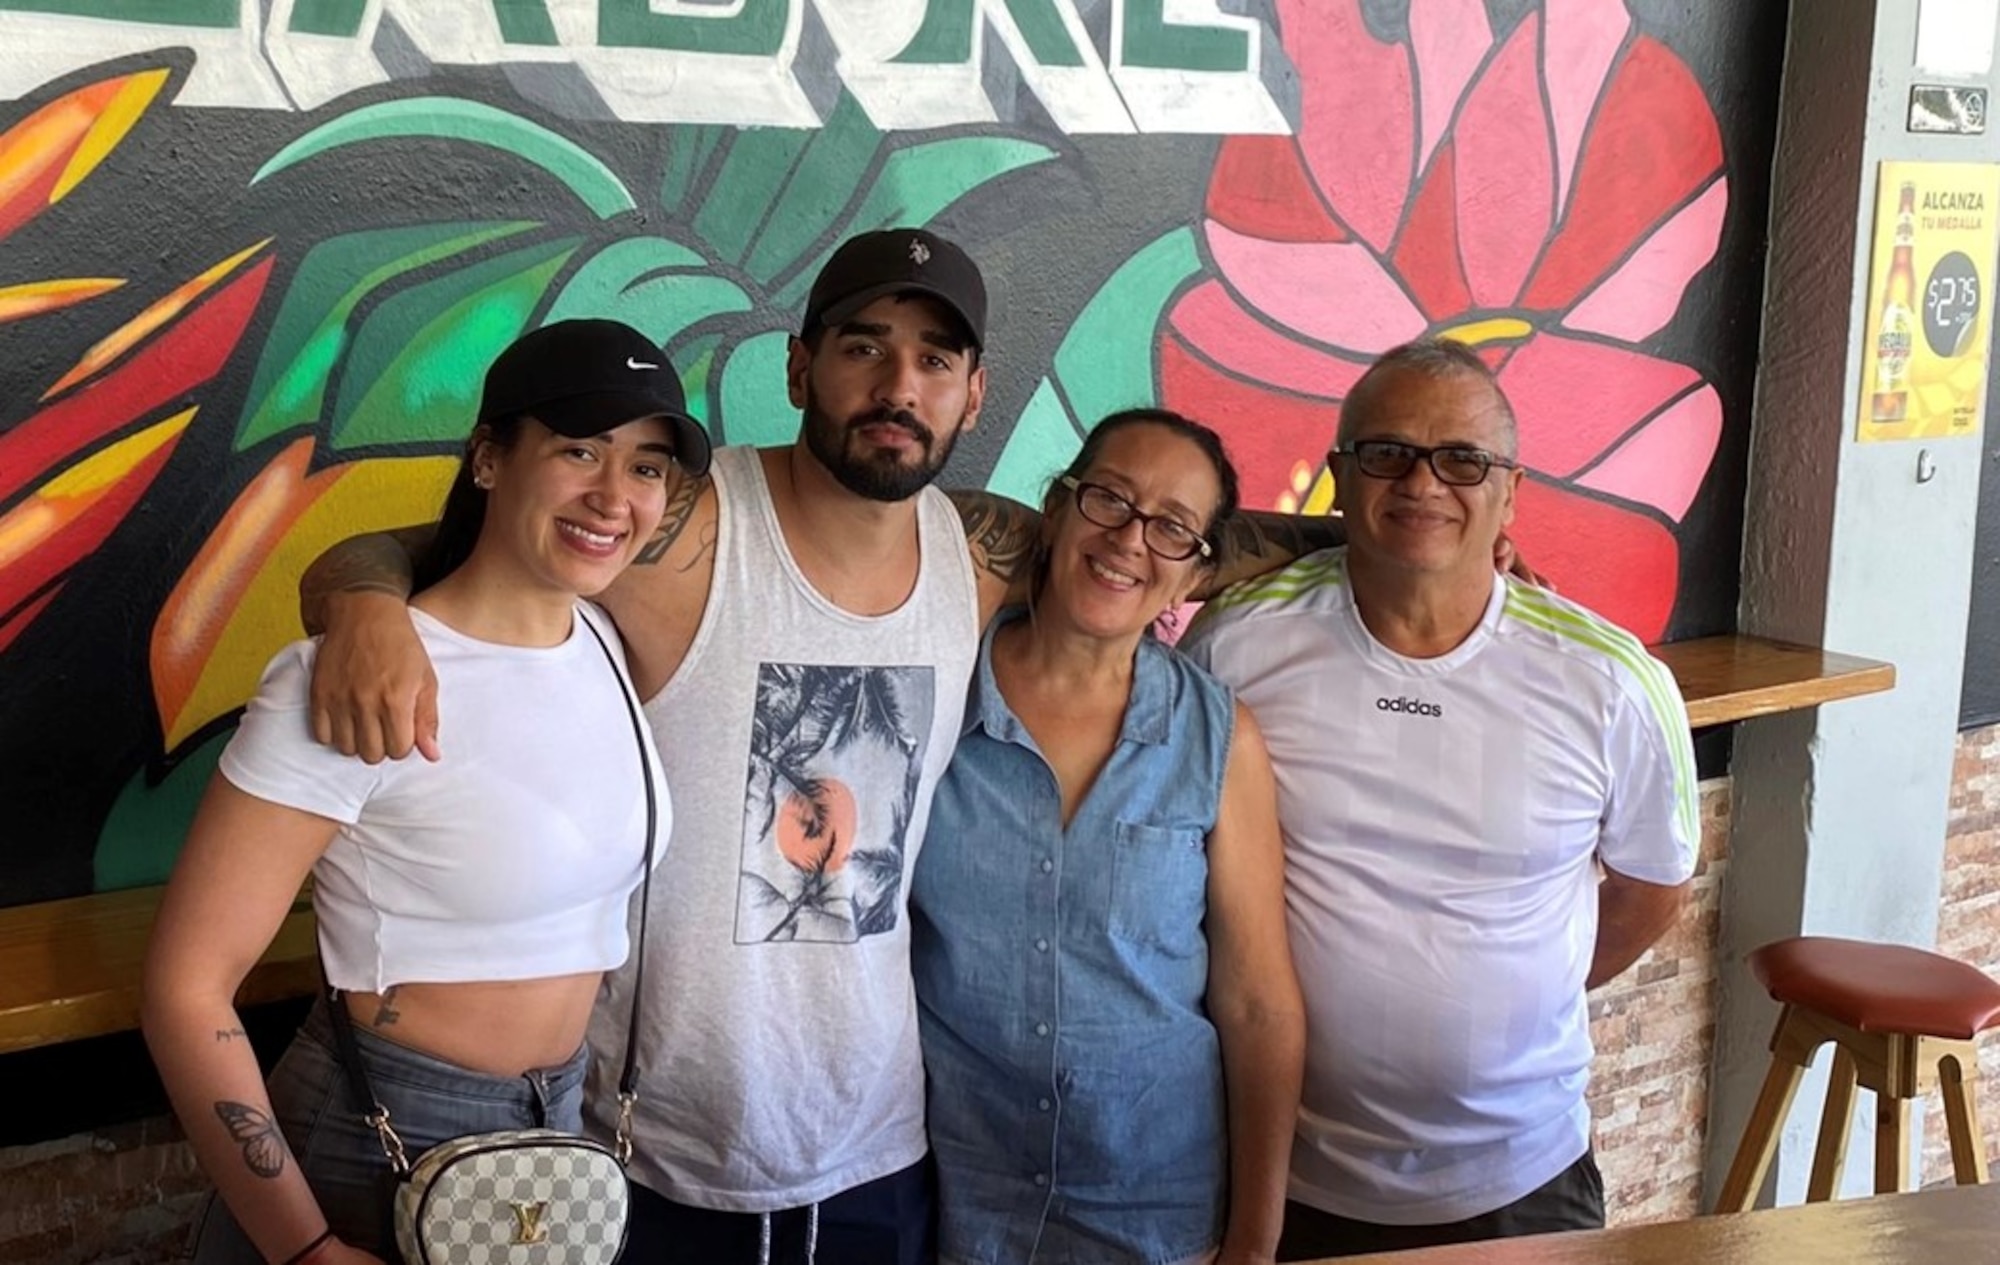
1888,988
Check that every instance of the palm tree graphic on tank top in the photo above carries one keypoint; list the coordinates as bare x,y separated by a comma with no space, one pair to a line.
836,757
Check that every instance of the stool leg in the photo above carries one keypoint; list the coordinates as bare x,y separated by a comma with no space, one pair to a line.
1760,1135
1959,1081
1834,1125
1892,1151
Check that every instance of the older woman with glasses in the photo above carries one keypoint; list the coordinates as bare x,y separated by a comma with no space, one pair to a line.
1110,1021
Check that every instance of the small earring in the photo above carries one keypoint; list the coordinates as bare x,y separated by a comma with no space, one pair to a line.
483,482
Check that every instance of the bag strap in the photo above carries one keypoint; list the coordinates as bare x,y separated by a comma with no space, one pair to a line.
377,1116
628,1078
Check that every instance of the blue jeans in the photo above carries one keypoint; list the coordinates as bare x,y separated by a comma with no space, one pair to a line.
429,1101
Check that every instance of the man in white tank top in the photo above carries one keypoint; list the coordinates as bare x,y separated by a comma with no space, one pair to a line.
803,628
1487,796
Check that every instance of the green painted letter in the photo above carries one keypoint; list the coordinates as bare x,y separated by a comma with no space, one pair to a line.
1151,41
757,30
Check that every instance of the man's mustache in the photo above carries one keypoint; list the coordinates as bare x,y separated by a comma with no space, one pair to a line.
884,415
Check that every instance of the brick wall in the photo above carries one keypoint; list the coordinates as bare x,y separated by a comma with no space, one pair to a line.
1655,1029
1969,921
126,1194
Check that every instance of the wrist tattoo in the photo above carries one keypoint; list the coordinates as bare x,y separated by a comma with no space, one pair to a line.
228,1034
263,1145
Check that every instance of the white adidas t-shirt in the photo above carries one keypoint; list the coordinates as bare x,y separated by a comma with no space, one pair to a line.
1443,822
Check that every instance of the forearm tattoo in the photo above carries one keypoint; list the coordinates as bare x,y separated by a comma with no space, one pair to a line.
365,564
1000,531
680,511
263,1145
228,1034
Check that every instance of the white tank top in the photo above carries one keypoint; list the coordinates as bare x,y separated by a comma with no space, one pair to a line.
778,1037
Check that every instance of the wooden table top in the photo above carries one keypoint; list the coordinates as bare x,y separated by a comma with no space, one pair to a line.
1955,1226
85,953
1736,677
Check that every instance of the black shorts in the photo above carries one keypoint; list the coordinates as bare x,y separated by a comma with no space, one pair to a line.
889,1221
1571,1200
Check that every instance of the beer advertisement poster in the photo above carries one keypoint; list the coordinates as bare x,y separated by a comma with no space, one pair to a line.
1930,305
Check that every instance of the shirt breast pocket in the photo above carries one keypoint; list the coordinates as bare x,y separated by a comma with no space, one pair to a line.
1159,886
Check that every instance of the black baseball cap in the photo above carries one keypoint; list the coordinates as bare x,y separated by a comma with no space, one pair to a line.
583,377
897,261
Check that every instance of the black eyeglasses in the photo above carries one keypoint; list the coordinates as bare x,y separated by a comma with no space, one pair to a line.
1457,465
1174,541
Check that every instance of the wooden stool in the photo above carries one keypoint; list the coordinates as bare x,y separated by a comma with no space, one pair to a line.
1903,1020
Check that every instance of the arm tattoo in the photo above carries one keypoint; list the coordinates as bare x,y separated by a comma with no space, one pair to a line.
680,508
1255,542
228,1034
263,1146
1000,531
378,563
385,1008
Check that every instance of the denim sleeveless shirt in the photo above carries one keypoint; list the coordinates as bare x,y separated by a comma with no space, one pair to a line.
1075,1078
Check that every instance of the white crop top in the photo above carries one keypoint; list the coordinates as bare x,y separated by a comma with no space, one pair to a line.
514,857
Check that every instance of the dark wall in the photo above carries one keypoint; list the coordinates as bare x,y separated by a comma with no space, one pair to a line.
297,301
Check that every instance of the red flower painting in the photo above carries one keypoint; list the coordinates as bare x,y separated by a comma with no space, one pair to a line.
1545,193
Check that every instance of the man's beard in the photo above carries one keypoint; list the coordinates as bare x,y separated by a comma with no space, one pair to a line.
880,475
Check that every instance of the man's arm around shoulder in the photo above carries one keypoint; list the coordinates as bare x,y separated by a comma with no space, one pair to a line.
373,691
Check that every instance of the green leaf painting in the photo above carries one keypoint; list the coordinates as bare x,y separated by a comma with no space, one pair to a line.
419,358
1105,363
310,331
447,118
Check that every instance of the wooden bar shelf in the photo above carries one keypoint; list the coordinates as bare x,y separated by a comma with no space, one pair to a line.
70,968
1736,677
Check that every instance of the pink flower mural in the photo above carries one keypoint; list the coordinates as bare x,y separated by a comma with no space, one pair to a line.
1545,193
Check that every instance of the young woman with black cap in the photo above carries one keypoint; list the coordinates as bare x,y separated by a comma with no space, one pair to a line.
466,907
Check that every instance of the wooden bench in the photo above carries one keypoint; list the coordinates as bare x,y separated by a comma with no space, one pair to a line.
70,968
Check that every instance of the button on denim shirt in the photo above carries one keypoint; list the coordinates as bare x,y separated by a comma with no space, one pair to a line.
1074,1075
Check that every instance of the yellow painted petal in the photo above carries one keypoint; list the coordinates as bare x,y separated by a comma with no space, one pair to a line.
1499,329
1320,499
118,117
38,297
62,499
128,335
367,496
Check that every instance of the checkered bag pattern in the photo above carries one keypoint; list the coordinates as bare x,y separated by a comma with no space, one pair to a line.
527,1197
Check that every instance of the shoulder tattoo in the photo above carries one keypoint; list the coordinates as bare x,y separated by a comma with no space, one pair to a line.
1001,533
680,512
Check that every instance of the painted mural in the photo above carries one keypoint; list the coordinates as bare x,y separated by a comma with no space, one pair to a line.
253,259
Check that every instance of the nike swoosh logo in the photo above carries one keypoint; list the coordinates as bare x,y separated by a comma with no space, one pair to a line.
633,362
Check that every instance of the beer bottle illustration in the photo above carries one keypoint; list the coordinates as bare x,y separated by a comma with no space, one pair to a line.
1895,334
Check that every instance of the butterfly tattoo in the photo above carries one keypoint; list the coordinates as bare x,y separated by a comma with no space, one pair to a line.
263,1145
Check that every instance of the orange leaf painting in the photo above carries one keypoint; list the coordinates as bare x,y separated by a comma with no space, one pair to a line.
189,353
46,155
132,332
70,515
37,297
237,604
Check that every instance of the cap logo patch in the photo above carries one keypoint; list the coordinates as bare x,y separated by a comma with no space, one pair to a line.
633,362
919,253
